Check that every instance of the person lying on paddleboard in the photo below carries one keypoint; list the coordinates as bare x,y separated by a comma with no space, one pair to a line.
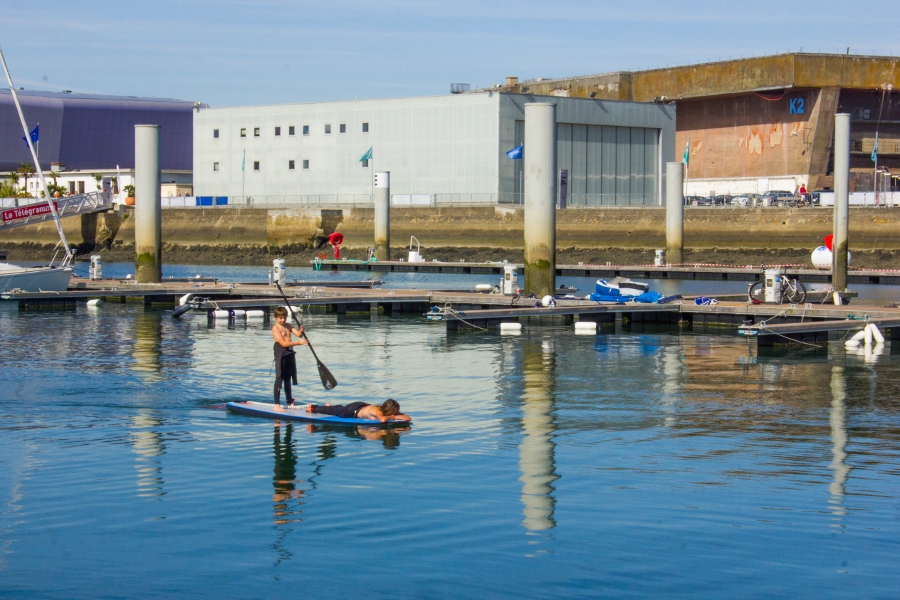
388,411
285,361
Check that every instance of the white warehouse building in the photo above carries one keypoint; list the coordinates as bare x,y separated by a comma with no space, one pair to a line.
442,149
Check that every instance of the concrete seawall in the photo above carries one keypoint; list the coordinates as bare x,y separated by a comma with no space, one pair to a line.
487,227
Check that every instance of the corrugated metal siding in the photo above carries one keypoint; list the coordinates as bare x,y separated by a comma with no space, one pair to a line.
94,132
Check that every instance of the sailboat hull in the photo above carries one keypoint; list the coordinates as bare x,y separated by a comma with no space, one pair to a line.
37,279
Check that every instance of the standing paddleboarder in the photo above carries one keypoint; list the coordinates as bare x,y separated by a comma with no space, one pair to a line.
285,361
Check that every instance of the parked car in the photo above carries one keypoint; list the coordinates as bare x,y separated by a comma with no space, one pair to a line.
740,201
776,197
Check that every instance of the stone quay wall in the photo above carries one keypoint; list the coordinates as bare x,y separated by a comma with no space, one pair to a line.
485,227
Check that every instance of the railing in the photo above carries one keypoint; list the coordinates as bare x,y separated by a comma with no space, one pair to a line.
66,206
574,201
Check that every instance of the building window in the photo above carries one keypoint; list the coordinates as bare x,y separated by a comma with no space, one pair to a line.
306,164
256,165
215,166
291,130
365,163
278,131
71,187
291,165
328,128
243,132
306,130
216,133
256,132
365,128
80,187
343,128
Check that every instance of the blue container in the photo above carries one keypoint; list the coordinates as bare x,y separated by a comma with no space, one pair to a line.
221,200
204,200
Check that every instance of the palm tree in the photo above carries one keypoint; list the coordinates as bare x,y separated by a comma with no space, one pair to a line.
25,169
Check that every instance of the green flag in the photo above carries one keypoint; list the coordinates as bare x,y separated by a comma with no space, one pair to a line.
687,152
367,155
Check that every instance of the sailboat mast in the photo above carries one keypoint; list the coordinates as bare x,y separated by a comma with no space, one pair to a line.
70,254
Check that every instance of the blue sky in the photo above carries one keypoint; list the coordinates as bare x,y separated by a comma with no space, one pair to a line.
231,53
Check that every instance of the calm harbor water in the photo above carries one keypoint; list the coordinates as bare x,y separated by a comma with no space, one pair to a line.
628,464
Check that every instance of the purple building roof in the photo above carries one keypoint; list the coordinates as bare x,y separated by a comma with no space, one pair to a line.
87,131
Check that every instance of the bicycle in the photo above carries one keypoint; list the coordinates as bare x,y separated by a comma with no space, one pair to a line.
792,291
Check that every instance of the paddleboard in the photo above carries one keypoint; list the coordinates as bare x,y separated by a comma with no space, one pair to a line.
298,413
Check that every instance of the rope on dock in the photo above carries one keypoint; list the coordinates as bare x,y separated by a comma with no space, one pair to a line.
763,325
448,309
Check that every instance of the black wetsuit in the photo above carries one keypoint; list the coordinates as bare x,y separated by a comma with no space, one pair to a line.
346,412
285,372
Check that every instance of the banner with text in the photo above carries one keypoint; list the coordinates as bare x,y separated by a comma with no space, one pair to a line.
23,212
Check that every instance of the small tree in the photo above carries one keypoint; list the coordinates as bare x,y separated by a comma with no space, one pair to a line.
98,178
129,190
25,170
13,179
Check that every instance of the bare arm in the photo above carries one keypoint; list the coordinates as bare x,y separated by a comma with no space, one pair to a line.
377,414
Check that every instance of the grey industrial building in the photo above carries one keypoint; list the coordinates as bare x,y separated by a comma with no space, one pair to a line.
92,132
438,150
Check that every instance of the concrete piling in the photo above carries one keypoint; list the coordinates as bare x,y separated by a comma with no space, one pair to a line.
383,215
147,211
540,205
675,213
841,201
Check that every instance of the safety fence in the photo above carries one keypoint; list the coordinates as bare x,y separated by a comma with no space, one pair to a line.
574,201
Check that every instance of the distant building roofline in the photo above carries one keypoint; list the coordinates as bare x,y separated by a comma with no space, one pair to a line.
99,97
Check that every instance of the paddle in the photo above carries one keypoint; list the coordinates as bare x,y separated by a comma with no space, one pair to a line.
328,380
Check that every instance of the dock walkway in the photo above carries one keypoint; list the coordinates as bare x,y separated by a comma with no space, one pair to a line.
696,272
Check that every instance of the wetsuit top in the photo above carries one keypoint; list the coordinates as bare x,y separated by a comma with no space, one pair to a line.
345,412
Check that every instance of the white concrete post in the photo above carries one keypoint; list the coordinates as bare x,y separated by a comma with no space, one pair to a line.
147,212
383,216
841,201
675,213
540,198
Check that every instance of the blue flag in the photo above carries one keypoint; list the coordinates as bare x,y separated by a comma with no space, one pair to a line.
874,156
243,160
33,135
367,155
687,152
515,152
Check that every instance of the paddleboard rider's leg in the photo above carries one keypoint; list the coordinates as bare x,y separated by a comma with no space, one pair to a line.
285,372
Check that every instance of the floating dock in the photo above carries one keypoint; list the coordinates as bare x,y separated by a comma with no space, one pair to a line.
697,272
766,324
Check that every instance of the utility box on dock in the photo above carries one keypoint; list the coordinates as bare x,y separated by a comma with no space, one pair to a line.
278,273
773,285
510,281
95,271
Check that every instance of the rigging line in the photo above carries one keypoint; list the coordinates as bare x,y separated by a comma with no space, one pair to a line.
880,108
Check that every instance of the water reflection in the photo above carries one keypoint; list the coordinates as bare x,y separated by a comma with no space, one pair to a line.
147,344
148,445
838,423
537,449
285,482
